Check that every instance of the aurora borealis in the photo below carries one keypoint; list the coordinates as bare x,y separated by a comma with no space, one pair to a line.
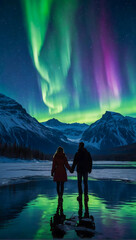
69,59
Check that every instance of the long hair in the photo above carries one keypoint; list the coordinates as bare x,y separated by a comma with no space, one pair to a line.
59,150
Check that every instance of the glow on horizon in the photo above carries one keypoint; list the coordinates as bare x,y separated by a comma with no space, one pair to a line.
88,117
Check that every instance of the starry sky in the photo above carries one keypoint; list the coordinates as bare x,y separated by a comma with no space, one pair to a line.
69,59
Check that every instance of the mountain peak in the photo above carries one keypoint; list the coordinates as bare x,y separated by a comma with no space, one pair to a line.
53,122
112,130
16,125
8,105
110,115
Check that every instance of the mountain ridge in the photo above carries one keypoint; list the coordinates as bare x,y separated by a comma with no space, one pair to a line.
72,131
16,125
111,130
55,122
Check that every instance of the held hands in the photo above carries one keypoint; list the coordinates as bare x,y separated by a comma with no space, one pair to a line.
71,170
90,170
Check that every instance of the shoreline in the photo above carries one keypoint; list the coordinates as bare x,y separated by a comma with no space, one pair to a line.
17,171
38,179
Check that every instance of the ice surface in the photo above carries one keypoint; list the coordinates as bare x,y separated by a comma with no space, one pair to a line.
16,171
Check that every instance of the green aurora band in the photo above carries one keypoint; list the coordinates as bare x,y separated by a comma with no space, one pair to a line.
53,60
74,87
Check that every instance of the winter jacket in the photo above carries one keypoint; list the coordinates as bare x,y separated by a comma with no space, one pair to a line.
83,161
59,166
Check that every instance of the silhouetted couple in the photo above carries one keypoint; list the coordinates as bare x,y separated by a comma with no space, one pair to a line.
83,162
84,225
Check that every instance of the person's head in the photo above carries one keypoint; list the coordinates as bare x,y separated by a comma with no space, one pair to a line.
81,145
60,150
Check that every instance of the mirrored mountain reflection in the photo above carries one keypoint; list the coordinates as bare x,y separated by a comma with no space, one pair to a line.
111,206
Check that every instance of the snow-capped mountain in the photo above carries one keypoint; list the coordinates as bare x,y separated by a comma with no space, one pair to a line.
16,125
112,130
73,132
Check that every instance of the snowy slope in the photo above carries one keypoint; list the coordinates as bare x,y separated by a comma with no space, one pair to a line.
110,131
16,125
72,131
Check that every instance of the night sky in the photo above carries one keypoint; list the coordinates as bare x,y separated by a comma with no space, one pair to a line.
69,59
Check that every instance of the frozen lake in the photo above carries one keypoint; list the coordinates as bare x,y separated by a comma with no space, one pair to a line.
26,209
29,201
16,171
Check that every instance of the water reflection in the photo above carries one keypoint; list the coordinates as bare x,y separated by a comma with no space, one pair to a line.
31,205
57,220
85,227
80,212
82,224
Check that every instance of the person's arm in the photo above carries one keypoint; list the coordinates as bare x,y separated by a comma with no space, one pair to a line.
67,164
74,162
90,162
53,166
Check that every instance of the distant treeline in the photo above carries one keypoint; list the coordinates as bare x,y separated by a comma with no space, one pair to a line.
22,152
115,157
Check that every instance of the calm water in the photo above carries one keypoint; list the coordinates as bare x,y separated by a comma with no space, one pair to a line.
26,209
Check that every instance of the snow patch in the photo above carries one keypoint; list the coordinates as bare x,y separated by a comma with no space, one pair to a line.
16,171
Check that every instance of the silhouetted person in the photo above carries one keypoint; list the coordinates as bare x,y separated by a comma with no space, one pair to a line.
80,211
83,161
58,219
86,214
85,228
58,171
